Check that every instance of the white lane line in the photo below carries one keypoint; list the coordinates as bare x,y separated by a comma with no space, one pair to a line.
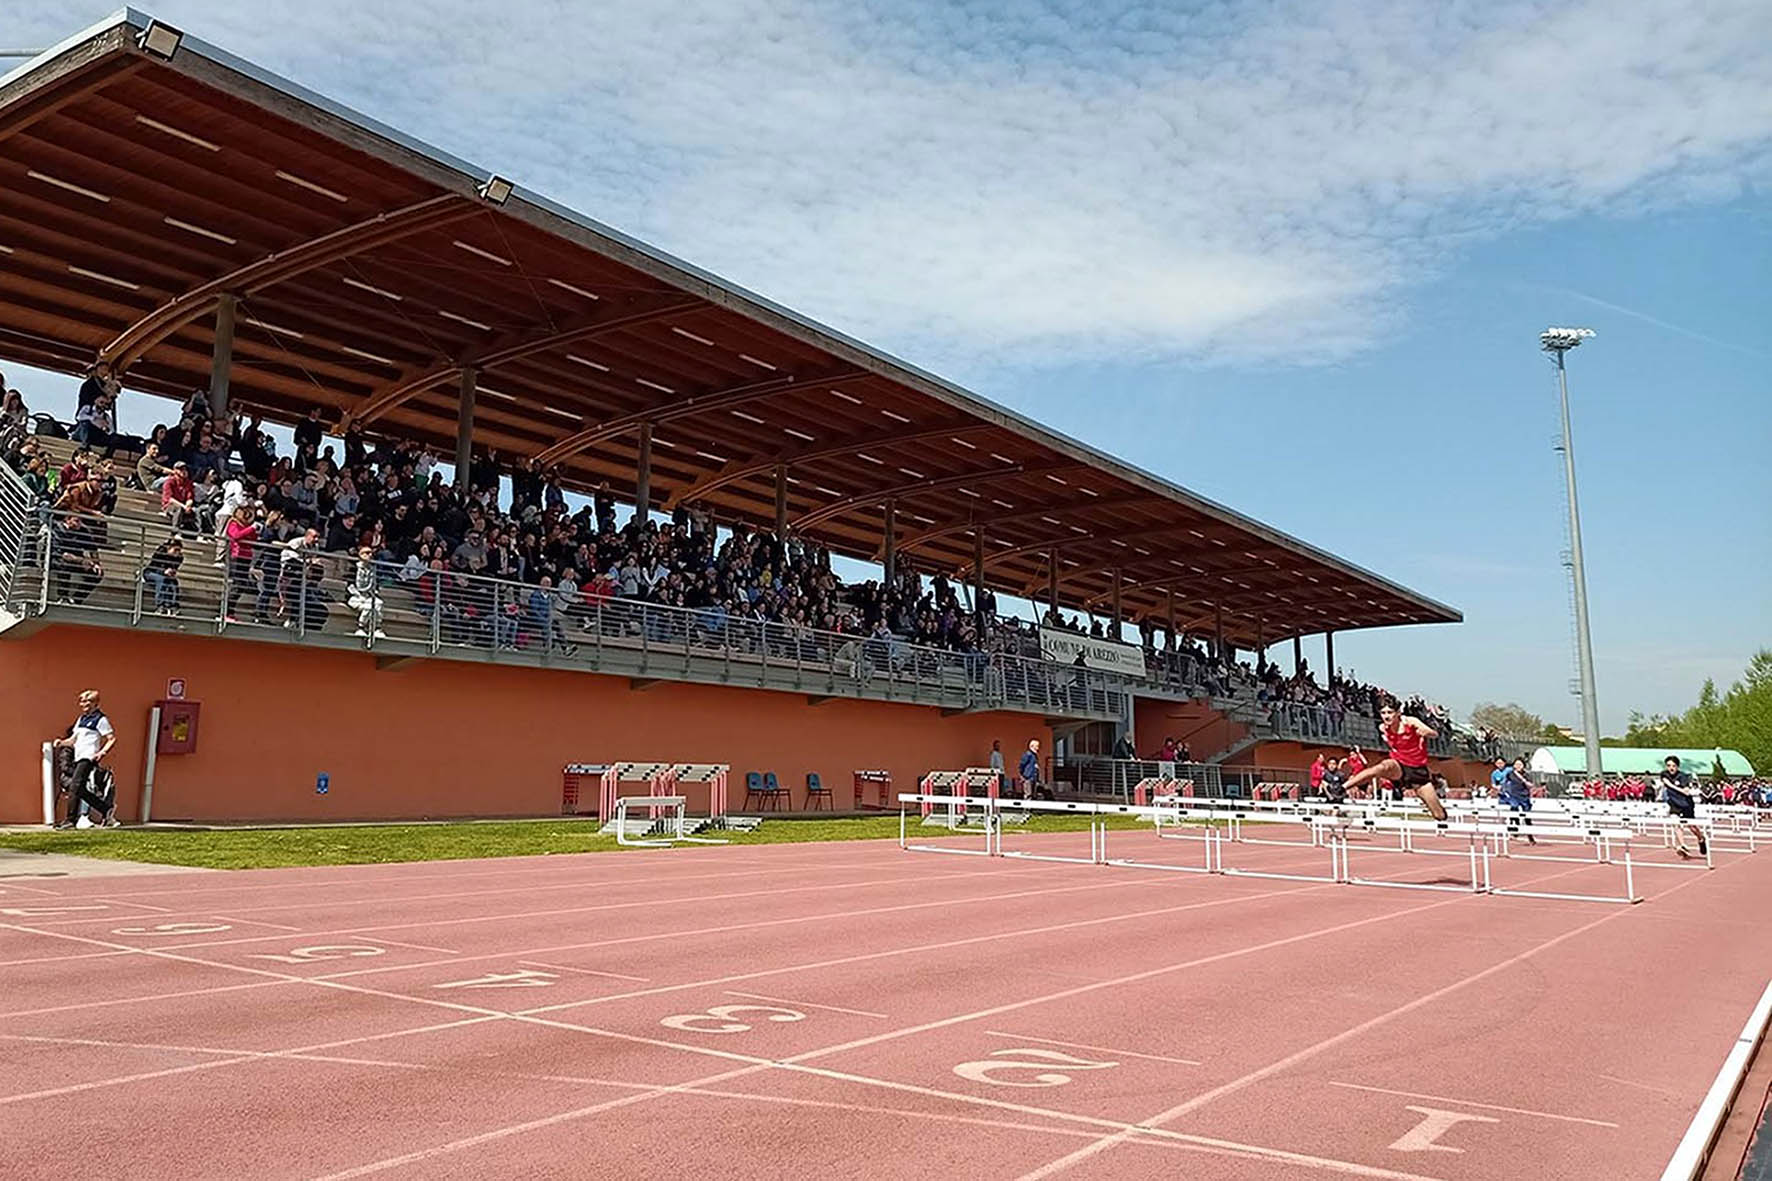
1631,1082
1046,1041
239,1056
415,946
648,903
1052,1168
756,996
132,1000
583,971
256,923
1570,1119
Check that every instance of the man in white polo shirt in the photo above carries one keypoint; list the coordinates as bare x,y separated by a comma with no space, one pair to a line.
91,737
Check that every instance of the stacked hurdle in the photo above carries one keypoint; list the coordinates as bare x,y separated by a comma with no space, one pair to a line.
1220,830
661,799
954,787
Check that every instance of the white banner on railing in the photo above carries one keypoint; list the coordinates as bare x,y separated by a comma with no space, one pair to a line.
1062,647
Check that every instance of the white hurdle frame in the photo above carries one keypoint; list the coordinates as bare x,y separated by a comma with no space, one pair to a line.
677,806
1327,830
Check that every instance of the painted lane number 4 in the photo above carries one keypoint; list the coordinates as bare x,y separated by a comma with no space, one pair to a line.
723,1018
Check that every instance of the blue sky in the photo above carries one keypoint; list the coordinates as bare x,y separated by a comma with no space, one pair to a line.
1294,256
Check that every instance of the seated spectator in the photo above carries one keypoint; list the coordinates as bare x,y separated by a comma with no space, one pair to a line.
93,424
178,499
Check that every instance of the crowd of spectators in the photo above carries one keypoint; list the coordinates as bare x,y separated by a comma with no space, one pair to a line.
381,512
1757,792
378,512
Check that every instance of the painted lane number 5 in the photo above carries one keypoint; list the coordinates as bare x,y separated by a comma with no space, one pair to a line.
723,1018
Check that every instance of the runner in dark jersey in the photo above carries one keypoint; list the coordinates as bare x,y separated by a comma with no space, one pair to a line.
1407,765
1677,789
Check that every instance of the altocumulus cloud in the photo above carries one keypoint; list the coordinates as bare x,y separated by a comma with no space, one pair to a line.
1003,181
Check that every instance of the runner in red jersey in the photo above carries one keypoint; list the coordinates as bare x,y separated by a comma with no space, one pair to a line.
1407,765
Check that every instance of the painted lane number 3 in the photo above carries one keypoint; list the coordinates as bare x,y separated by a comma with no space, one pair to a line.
723,1018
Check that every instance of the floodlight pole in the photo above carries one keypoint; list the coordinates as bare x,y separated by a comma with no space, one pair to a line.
1558,342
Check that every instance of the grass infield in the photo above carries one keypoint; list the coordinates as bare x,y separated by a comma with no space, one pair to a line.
267,848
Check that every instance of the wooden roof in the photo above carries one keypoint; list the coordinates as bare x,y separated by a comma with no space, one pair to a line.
370,270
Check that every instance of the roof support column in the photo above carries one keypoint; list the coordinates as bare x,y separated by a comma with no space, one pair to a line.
223,363
1260,644
1297,654
781,502
891,541
1218,631
1328,655
1052,580
1174,640
643,478
464,427
1117,616
978,576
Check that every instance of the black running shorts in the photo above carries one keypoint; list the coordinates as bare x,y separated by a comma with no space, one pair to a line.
1414,776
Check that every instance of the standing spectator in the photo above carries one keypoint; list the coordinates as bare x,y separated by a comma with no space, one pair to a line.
365,595
1318,768
91,738
1029,770
997,761
241,539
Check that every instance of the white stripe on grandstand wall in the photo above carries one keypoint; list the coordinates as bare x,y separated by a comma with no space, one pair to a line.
1694,1149
1058,1166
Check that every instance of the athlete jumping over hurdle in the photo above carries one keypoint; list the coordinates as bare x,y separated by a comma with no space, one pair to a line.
1407,765
1677,790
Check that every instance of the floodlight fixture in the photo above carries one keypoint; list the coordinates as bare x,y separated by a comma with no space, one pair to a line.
160,40
496,189
1561,340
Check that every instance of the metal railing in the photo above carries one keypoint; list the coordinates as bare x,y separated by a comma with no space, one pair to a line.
1102,775
117,571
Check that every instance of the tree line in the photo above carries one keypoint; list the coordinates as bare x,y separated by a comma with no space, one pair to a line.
1739,719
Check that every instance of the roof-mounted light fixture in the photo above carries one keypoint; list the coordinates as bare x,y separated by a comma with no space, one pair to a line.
160,40
496,189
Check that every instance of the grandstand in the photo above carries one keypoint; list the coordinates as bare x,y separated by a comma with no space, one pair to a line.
1258,981
196,223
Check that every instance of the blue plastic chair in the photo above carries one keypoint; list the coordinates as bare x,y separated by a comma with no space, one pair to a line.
816,791
753,787
772,789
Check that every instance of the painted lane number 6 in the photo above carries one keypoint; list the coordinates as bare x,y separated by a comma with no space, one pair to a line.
722,1018
1005,1063
324,951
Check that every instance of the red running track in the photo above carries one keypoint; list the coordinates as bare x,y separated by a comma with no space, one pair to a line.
848,1010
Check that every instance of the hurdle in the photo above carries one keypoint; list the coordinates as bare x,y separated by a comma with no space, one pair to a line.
1330,831
956,805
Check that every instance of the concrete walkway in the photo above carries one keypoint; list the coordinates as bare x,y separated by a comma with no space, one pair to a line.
15,863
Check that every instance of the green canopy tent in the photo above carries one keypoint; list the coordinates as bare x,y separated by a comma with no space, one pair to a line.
1628,760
